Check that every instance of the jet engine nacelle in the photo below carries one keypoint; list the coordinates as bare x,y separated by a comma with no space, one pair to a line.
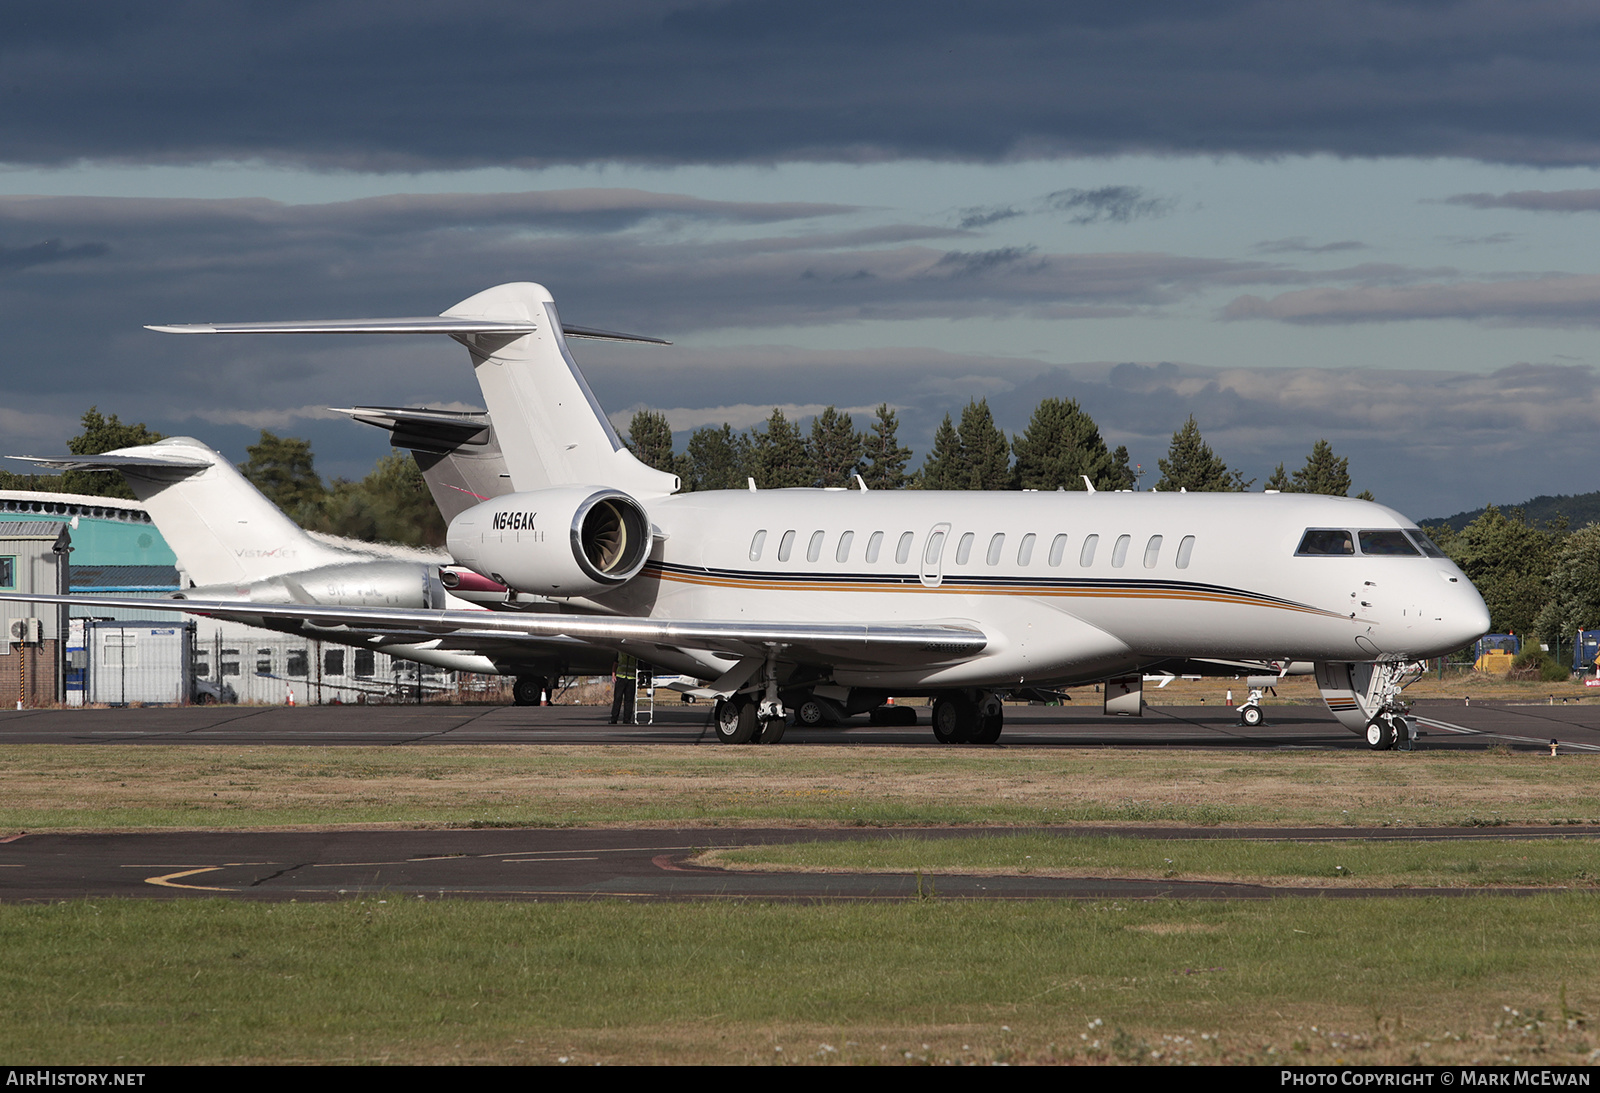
563,541
348,584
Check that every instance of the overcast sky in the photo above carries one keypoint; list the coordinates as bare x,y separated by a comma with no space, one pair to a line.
1370,222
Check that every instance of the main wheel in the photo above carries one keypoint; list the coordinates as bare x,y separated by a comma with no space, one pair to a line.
528,690
953,719
1251,716
1380,733
988,730
810,715
772,730
736,721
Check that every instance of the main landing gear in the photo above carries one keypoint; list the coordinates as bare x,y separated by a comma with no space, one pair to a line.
738,721
528,690
968,717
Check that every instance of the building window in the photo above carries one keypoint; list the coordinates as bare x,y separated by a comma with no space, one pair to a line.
263,662
366,663
333,662
297,663
8,571
230,662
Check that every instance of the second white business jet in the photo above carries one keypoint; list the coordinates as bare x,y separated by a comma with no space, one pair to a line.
779,595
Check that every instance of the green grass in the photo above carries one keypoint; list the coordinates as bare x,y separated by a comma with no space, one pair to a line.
127,787
135,983
1458,863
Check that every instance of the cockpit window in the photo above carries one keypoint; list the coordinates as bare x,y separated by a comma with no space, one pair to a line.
1390,543
1425,544
1320,541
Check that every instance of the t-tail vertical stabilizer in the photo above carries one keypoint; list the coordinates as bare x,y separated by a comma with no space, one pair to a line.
550,425
219,525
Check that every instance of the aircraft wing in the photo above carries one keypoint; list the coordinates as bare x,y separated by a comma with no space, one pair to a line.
828,642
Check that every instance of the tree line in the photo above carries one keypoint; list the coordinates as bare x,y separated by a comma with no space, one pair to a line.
1060,448
1539,580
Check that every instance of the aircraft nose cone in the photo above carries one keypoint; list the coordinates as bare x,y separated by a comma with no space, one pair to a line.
1469,619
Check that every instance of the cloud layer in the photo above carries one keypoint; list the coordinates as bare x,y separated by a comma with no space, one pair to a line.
401,84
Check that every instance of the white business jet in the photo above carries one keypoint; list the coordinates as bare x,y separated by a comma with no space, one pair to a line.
234,545
779,595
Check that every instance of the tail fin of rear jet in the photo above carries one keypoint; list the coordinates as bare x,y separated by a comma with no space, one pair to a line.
219,525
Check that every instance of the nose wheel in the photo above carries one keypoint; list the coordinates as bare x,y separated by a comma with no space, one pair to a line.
1388,730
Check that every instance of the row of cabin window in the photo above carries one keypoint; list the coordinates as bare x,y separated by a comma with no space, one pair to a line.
997,543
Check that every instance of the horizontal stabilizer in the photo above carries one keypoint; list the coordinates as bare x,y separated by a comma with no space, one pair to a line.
434,324
185,464
442,429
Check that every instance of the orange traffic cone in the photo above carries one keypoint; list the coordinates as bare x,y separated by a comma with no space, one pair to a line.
1230,698
291,696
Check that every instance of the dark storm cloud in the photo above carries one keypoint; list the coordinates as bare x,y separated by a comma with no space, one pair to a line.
1117,204
50,250
1541,201
367,84
770,265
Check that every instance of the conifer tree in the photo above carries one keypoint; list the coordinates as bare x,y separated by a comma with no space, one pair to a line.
834,449
988,455
778,455
1279,480
650,440
1324,472
946,466
1191,465
1122,473
1060,446
718,459
884,460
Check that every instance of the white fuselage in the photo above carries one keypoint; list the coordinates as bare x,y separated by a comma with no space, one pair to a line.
1056,612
